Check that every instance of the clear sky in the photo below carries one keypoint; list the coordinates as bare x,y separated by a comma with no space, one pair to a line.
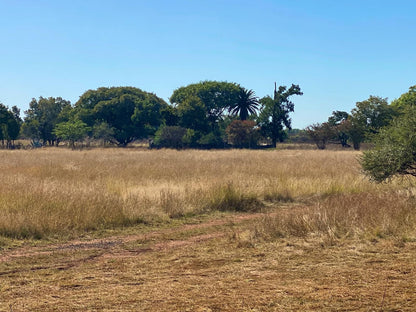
339,52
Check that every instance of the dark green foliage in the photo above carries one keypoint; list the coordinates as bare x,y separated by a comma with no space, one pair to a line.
171,136
102,131
211,140
193,114
129,112
373,114
367,118
338,121
337,117
169,115
405,100
274,115
9,125
247,104
42,117
395,149
215,96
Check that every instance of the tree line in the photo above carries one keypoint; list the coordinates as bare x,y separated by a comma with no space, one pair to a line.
363,123
201,115
208,114
390,128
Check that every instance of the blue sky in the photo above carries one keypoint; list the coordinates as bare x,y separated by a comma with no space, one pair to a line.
339,52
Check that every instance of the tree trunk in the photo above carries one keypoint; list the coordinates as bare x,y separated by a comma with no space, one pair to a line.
356,145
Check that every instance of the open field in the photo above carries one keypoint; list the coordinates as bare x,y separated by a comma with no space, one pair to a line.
117,230
55,192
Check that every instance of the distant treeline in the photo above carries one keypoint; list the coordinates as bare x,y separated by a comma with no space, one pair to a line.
208,114
363,123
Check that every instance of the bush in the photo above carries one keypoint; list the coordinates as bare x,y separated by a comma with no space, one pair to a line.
170,136
210,140
320,134
241,133
395,149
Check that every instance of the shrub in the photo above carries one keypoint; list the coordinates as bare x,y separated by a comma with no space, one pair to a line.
228,198
170,136
242,133
320,134
395,149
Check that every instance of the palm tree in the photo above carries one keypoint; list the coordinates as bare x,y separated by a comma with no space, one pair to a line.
246,104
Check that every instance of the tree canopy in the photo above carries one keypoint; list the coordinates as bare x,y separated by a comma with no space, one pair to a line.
72,131
274,115
42,117
215,96
365,120
247,104
405,100
395,149
373,113
129,112
9,124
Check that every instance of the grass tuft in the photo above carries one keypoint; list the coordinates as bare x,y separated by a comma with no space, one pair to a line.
228,198
364,216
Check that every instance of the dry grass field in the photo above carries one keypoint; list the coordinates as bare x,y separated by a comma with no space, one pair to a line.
235,230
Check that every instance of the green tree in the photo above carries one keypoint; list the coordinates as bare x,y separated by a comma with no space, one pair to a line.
42,117
337,117
373,114
16,114
216,97
71,131
247,104
170,136
395,149
341,128
367,118
405,100
103,132
130,112
9,125
193,114
274,113
355,130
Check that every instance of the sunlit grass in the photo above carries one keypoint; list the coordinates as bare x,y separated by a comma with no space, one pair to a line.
52,191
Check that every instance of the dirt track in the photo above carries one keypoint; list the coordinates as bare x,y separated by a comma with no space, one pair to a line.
112,245
199,267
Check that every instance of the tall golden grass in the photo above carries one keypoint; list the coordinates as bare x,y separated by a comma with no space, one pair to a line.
343,216
53,191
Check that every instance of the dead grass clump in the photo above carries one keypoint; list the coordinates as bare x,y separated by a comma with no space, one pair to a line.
283,196
172,204
37,215
228,198
365,215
